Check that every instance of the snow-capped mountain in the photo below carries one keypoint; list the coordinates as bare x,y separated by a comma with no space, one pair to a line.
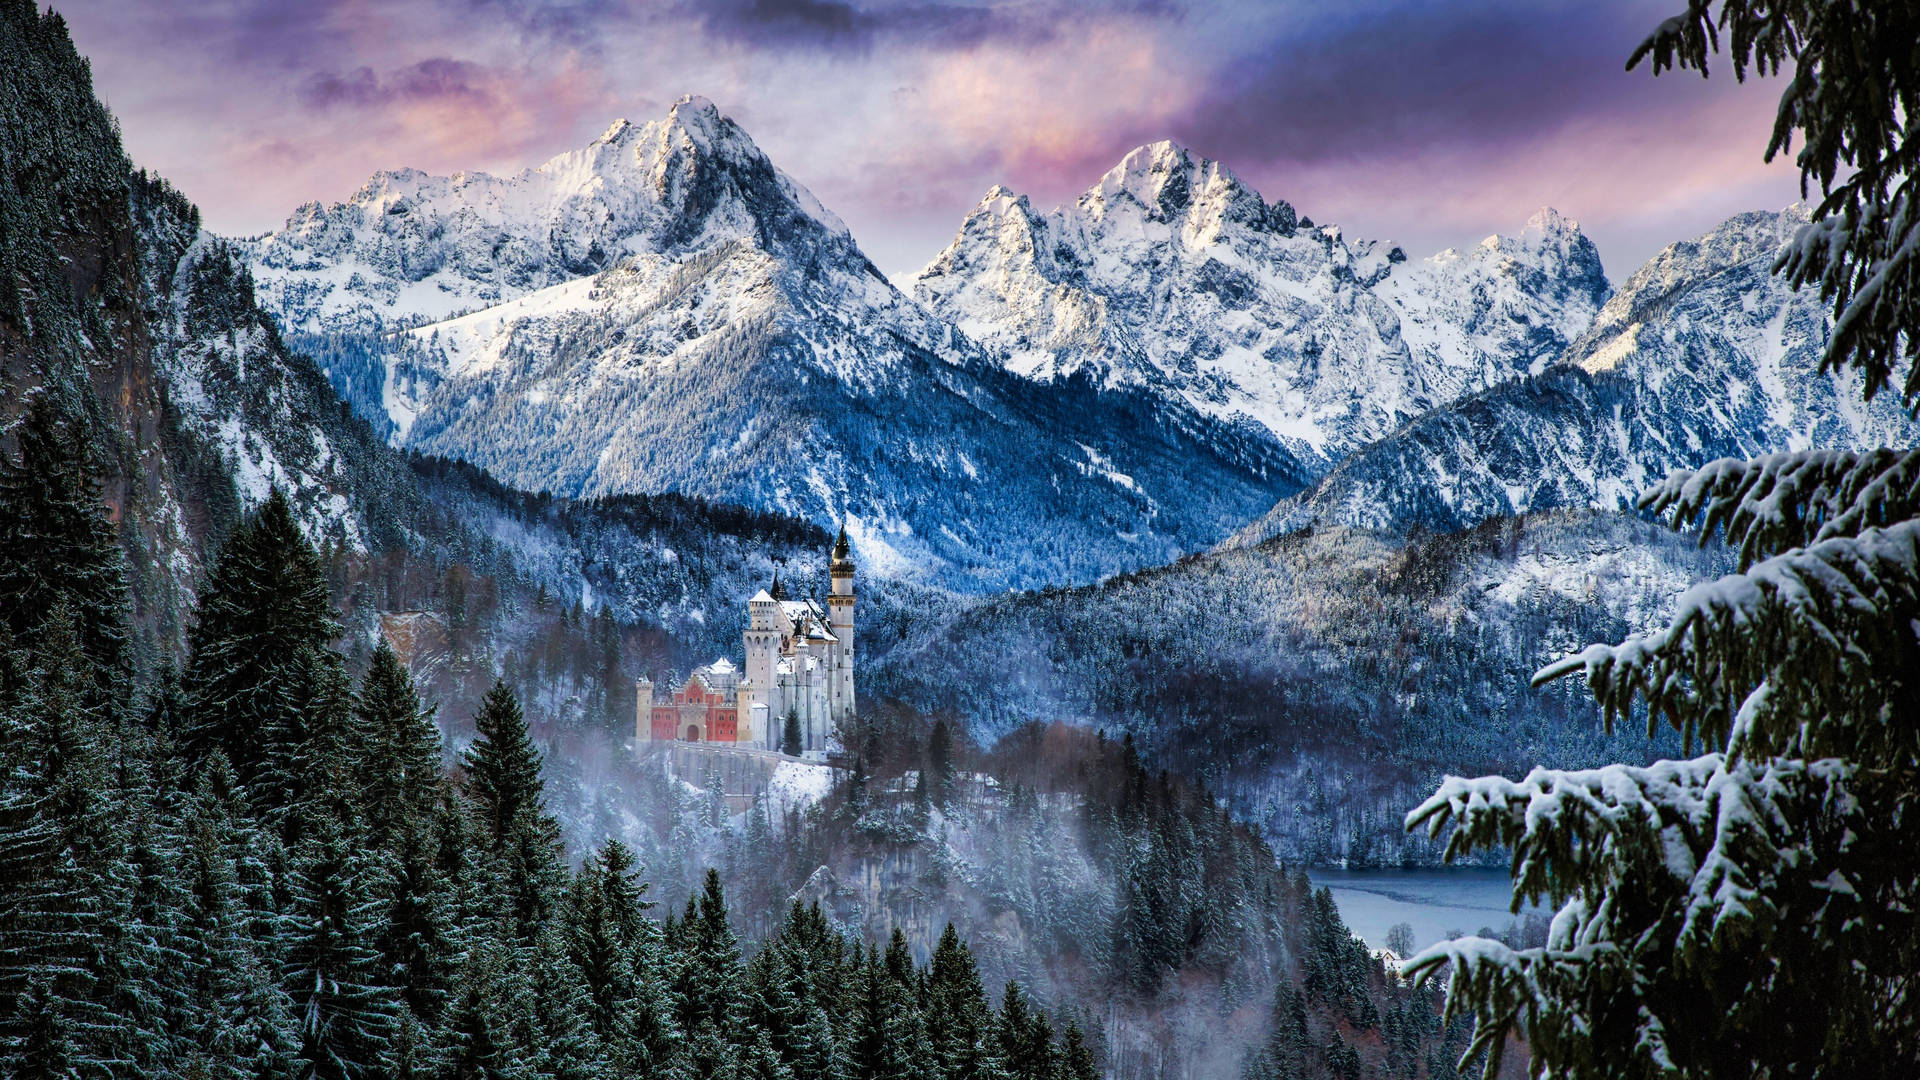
410,247
1703,353
1173,275
667,311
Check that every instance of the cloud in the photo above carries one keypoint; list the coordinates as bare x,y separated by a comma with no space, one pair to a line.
438,78
841,26
1460,75
847,26
1424,120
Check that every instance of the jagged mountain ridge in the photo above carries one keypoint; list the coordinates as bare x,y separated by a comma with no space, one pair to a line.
1172,274
410,246
712,330
1703,353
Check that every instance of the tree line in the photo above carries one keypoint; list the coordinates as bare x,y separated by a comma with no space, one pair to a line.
260,866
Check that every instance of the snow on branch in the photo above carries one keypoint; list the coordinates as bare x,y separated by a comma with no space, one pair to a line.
1680,861
1792,499
1808,653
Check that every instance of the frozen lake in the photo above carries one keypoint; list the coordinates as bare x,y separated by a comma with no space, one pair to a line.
1433,902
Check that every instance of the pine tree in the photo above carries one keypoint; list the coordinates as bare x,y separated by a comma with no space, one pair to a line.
960,1022
940,762
790,741
308,775
346,1016
56,850
1076,1058
603,934
878,1049
57,546
1750,910
712,973
481,1042
242,1024
422,939
264,607
1025,1037
507,795
400,763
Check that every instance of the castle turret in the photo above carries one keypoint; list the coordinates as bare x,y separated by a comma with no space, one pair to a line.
643,710
762,638
840,615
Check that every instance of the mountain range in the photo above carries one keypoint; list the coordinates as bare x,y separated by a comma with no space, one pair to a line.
1703,353
666,310
1057,396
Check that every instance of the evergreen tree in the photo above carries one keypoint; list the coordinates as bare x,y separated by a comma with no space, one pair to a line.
242,1025
1751,910
481,1042
1076,1058
604,937
960,1022
711,971
56,850
940,762
57,546
346,1016
1025,1038
308,777
507,795
423,938
878,1049
790,741
264,607
400,760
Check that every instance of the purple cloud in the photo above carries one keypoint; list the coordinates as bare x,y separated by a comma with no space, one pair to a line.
437,78
1432,123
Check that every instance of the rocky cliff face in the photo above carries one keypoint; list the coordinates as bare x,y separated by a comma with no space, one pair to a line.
1172,275
1702,354
142,331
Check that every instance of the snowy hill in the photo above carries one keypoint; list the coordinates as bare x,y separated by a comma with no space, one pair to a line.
1321,680
666,311
1703,353
1173,275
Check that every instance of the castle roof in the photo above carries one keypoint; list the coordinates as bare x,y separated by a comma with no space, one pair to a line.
799,609
761,597
722,666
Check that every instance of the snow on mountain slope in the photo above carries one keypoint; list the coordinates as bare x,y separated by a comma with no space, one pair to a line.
1173,275
410,247
1703,353
666,311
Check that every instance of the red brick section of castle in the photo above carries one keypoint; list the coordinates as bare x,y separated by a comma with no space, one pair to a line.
696,705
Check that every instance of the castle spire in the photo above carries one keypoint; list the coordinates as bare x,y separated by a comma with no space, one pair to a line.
842,563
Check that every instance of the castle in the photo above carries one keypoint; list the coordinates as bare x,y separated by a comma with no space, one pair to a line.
799,663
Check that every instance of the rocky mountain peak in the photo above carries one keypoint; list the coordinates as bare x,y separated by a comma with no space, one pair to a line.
1171,184
410,246
1172,273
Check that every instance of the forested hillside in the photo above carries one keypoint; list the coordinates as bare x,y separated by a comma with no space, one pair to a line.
1321,679
267,866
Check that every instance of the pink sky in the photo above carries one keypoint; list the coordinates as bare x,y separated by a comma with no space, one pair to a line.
1432,125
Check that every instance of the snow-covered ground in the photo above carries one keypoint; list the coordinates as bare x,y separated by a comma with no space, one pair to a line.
796,785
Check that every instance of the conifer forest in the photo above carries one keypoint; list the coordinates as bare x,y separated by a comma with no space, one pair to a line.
566,609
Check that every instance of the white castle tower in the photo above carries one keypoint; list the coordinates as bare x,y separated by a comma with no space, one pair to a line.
799,663
840,610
